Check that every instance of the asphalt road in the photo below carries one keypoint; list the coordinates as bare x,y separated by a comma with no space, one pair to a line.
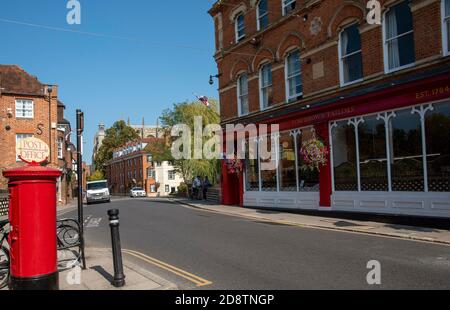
237,253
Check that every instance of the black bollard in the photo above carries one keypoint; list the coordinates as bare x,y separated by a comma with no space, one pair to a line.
119,277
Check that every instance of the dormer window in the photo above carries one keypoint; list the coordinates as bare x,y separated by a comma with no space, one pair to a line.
240,27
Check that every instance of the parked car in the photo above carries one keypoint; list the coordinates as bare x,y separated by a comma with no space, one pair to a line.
97,191
138,192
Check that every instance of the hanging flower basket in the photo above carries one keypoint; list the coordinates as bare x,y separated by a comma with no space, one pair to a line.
314,154
234,166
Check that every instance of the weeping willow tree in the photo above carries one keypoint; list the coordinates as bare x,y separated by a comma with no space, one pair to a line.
184,113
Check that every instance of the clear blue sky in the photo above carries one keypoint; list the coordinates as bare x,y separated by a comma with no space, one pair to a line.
166,56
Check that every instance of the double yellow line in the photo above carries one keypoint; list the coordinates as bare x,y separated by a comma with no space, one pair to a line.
177,271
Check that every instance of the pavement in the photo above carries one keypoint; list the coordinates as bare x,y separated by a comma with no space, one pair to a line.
99,274
322,222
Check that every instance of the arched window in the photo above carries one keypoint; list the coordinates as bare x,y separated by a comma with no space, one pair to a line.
239,23
242,89
265,86
262,15
294,87
350,55
398,37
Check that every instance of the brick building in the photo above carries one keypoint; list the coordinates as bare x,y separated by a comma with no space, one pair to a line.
27,108
133,165
377,95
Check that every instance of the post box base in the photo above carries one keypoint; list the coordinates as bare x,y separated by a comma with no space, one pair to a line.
48,282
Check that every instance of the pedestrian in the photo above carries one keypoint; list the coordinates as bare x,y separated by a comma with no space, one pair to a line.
193,189
206,185
197,186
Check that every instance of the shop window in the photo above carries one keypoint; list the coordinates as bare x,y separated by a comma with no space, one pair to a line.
372,154
262,15
19,137
437,124
240,27
407,152
268,159
242,88
294,87
308,180
399,37
251,167
446,25
288,176
344,157
350,55
265,81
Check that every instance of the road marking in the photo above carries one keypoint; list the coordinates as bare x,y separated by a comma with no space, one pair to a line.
198,281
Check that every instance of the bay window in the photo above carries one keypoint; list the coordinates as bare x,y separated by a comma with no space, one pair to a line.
262,15
265,84
399,37
350,55
406,150
294,87
242,89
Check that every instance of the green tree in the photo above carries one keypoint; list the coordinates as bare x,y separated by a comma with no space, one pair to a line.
184,113
116,136
96,176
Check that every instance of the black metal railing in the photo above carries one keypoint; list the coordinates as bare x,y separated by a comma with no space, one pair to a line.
4,204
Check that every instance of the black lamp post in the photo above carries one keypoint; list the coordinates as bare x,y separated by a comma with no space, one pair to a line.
49,91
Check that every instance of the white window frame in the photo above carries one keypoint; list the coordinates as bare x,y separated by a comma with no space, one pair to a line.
240,95
171,175
236,28
341,59
259,17
445,20
284,5
262,88
60,144
22,136
385,44
23,108
287,76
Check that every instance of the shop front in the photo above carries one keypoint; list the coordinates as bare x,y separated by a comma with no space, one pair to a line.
389,153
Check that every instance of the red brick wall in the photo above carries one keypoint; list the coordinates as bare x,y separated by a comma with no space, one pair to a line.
25,126
291,31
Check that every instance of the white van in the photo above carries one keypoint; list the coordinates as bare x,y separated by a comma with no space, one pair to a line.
97,191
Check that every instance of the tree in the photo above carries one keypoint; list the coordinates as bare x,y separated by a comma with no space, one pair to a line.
119,134
96,176
184,113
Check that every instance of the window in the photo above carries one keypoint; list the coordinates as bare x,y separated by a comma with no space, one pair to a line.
151,173
446,26
262,15
60,148
407,150
251,167
171,175
167,188
24,108
308,180
288,6
399,37
242,88
269,167
288,175
350,55
149,158
265,81
294,87
240,27
19,137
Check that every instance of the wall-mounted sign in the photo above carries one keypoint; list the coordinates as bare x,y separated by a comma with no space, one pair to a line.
32,150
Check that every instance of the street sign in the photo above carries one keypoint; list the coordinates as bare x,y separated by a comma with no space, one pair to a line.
32,150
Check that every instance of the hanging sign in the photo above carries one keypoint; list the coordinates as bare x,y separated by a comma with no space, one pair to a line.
32,150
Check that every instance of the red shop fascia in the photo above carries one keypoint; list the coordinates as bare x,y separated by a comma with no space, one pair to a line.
388,96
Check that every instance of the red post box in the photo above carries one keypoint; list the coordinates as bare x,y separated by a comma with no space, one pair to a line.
32,192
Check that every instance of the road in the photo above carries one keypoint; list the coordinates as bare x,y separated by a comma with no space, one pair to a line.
227,252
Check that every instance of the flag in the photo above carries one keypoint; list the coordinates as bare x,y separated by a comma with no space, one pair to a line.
204,100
